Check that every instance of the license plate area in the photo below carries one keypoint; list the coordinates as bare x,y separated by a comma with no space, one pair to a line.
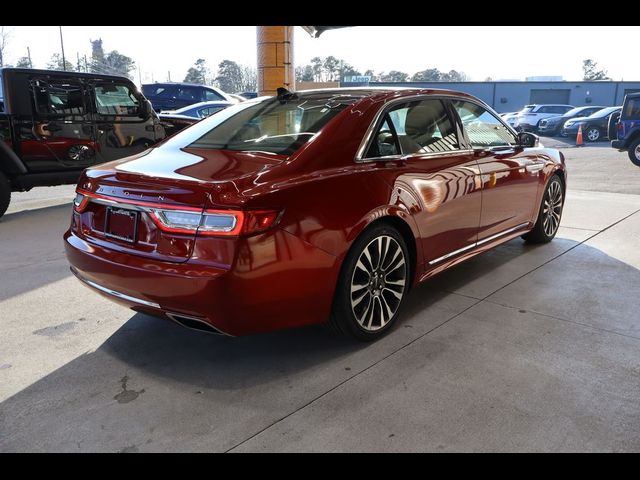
121,224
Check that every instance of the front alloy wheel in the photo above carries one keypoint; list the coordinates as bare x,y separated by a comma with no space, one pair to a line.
549,214
593,134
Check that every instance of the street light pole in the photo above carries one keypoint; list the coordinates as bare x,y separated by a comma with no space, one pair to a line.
64,62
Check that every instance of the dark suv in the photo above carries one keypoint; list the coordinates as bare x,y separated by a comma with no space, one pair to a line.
55,124
171,96
628,128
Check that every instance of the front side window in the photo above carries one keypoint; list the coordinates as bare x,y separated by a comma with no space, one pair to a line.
59,98
114,99
189,94
275,125
483,128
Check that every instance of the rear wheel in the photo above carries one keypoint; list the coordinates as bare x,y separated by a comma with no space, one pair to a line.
549,215
5,193
372,285
593,134
634,152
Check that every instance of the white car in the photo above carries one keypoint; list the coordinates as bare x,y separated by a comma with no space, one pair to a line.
529,117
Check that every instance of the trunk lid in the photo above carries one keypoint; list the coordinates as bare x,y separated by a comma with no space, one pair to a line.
123,195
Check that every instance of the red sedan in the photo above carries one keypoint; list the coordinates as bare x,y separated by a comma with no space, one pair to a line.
310,207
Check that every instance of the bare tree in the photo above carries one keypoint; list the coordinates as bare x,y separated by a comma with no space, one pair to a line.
5,33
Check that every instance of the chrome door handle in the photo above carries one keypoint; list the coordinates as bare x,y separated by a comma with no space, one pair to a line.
535,167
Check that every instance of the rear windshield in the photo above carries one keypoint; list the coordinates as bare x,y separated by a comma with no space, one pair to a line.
527,108
604,112
631,110
275,126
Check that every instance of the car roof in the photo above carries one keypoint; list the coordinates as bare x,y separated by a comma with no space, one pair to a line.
383,92
179,83
63,73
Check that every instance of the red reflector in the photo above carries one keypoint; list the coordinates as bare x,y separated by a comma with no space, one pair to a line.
260,220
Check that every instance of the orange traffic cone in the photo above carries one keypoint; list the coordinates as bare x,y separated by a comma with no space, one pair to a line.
579,141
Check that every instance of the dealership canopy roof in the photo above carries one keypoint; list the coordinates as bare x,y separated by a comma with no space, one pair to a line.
317,31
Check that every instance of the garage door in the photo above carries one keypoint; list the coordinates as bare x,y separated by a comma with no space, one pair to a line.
550,96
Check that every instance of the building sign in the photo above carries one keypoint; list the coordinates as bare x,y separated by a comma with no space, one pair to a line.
357,79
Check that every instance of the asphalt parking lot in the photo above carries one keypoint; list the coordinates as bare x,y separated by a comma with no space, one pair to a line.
528,348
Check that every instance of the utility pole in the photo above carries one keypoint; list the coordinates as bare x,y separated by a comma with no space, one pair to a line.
79,64
169,75
140,75
29,56
64,63
86,65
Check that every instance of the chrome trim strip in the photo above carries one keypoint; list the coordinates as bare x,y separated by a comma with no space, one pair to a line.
123,205
500,234
114,292
481,242
451,254
409,156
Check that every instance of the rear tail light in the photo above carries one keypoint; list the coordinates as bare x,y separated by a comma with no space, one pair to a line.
216,222
191,220
80,202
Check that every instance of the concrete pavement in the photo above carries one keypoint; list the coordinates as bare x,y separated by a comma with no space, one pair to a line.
528,348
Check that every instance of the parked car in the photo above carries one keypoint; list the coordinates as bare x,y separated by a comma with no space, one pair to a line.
594,127
56,124
248,95
171,96
529,117
553,125
627,128
175,120
311,207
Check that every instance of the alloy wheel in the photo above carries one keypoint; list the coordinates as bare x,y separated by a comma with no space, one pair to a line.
593,134
378,283
636,152
552,208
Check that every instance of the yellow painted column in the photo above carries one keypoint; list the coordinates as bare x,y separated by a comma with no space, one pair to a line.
275,59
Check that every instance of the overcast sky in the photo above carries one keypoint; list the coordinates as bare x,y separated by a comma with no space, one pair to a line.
480,52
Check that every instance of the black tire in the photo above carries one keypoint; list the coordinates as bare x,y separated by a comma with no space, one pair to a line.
592,134
634,152
5,193
366,304
541,232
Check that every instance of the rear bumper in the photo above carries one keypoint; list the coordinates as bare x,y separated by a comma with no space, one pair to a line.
619,144
262,290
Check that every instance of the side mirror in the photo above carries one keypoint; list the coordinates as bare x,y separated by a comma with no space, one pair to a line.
528,140
145,109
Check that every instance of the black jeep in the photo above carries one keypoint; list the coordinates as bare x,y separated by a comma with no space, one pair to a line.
54,124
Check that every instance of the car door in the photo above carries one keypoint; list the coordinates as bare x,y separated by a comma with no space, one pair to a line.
509,173
59,135
123,126
422,140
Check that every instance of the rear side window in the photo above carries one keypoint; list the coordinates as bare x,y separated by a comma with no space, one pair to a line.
483,128
157,90
114,99
210,95
207,111
59,98
631,110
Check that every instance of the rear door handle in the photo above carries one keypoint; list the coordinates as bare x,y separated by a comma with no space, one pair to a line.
535,167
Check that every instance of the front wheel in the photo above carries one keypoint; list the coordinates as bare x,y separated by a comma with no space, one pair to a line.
634,152
5,193
373,284
593,134
549,215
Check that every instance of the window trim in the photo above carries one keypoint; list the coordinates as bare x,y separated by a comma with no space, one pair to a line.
463,139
